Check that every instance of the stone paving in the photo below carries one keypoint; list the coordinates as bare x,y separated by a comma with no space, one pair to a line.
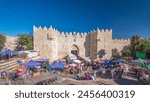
126,80
70,80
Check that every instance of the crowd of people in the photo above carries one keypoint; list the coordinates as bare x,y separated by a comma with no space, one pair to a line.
109,71
90,70
82,70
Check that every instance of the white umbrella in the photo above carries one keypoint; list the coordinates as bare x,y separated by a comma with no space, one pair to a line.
77,61
73,65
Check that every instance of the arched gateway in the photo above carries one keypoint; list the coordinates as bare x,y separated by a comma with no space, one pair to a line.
74,49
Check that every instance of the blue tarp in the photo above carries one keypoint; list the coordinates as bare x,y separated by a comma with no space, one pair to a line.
108,62
58,65
41,60
1,53
8,52
118,60
20,62
32,63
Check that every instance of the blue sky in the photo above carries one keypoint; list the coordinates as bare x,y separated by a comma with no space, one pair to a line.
125,17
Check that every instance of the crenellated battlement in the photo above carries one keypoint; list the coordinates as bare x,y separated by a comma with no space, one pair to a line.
67,34
121,40
44,28
104,30
71,33
100,30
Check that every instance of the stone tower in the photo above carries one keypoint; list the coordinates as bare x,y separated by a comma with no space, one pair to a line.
45,41
104,43
100,43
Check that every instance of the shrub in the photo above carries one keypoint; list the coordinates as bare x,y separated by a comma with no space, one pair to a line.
145,82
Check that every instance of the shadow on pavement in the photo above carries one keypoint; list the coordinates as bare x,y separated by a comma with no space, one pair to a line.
124,81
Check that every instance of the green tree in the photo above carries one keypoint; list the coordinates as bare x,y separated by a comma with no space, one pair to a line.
137,44
126,52
144,45
135,40
2,41
25,42
115,53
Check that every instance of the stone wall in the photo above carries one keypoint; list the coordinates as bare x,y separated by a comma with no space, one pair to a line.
11,42
118,44
52,44
68,40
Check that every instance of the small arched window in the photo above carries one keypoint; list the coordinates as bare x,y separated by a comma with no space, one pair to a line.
49,37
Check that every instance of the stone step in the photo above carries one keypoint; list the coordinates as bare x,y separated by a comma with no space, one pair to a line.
11,67
8,62
8,65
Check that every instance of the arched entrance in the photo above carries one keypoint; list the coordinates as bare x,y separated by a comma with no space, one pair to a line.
74,50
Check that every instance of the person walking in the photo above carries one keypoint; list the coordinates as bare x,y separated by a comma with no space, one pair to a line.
95,72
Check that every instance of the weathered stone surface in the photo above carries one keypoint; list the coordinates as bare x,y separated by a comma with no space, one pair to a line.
11,42
54,45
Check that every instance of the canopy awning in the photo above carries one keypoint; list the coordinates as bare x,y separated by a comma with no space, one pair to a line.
72,57
58,65
20,62
41,60
32,63
8,52
77,61
108,62
118,61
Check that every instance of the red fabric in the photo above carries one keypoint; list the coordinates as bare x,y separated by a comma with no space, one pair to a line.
87,77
